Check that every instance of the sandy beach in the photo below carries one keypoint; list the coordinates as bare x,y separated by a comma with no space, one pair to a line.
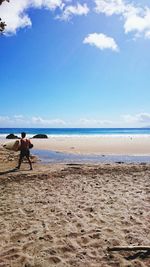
99,144
107,145
74,80
70,214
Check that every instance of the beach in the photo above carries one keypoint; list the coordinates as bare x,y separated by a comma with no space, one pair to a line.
105,144
70,214
74,133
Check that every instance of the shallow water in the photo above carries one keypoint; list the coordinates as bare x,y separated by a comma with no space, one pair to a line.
47,156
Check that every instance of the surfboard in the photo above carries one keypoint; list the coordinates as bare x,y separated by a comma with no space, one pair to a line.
12,145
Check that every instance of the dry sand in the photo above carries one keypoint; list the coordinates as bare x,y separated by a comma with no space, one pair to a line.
122,145
68,215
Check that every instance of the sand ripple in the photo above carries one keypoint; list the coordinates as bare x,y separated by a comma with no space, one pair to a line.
68,215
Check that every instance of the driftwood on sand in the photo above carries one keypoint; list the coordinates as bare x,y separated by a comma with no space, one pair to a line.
129,248
141,251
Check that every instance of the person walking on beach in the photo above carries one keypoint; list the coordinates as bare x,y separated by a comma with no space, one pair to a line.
25,144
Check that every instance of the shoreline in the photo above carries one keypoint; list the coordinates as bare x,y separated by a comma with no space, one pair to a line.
117,135
93,145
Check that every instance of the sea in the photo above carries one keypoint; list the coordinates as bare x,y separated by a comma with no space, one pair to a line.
47,156
75,131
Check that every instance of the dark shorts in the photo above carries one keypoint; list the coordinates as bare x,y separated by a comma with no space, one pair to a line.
24,153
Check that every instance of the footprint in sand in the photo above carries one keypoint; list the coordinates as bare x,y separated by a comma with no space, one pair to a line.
54,260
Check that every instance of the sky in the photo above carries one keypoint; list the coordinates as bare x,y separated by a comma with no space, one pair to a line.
68,63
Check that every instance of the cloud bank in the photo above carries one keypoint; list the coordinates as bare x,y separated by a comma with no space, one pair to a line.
38,121
136,18
34,121
142,118
15,14
71,11
127,120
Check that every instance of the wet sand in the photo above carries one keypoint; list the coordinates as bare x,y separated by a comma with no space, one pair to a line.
68,215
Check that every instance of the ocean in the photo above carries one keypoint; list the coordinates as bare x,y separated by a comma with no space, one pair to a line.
75,131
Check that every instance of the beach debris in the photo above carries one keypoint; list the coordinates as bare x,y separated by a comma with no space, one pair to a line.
142,251
74,164
128,248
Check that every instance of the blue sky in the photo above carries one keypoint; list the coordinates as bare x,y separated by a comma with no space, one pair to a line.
75,63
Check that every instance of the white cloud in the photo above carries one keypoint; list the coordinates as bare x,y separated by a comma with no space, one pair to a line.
15,13
77,10
101,41
49,4
17,121
147,35
4,119
14,16
136,18
18,117
35,121
47,122
110,7
38,121
138,23
137,118
117,7
94,122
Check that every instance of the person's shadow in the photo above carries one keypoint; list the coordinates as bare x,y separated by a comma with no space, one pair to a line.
9,171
